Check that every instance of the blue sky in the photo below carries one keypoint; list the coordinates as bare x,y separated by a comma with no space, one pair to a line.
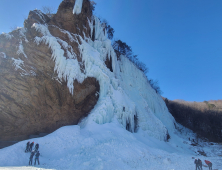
180,41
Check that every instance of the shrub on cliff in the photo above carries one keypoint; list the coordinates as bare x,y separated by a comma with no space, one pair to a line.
121,47
48,10
155,85
110,31
92,5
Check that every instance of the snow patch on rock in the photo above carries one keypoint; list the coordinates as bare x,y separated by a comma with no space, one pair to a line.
18,63
3,55
21,49
8,36
77,7
22,32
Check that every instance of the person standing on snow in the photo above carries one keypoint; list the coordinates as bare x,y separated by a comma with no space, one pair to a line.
199,162
195,162
36,147
209,164
30,146
27,147
31,157
37,157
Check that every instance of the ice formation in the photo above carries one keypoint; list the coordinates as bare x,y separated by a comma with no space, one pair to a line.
22,34
67,69
21,49
8,36
3,55
125,94
18,63
77,7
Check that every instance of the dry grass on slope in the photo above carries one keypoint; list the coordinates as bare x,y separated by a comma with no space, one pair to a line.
204,118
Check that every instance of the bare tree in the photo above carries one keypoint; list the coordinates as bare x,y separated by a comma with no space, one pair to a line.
155,85
92,5
110,31
14,27
48,10
197,116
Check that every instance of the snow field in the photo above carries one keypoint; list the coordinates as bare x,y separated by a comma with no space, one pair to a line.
106,146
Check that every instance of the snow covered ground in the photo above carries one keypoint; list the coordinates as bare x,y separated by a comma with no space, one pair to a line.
108,146
128,127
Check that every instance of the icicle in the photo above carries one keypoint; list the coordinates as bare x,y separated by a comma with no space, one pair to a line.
67,69
77,7
21,49
90,26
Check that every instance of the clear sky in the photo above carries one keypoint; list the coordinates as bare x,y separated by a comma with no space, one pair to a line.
180,41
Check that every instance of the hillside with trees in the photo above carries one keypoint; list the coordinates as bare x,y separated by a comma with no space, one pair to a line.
204,118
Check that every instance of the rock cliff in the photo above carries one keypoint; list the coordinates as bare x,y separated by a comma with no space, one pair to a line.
33,99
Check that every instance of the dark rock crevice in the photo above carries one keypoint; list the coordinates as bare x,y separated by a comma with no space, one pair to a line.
108,63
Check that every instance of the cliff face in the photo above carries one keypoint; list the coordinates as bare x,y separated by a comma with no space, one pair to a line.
33,99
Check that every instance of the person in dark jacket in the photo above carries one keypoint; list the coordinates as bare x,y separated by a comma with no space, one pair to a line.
30,146
37,157
36,147
27,147
199,162
209,164
31,157
195,162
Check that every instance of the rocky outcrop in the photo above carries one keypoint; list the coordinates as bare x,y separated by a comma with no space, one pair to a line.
65,19
32,98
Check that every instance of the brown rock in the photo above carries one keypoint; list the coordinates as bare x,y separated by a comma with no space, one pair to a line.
76,24
32,100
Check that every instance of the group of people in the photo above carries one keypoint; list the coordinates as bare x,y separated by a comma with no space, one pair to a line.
33,152
198,164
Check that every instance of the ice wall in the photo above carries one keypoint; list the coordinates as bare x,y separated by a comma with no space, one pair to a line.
125,94
153,115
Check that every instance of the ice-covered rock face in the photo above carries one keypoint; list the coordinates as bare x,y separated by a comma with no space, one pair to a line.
125,93
79,49
43,85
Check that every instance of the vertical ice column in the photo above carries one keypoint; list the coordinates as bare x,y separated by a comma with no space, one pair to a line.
77,7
